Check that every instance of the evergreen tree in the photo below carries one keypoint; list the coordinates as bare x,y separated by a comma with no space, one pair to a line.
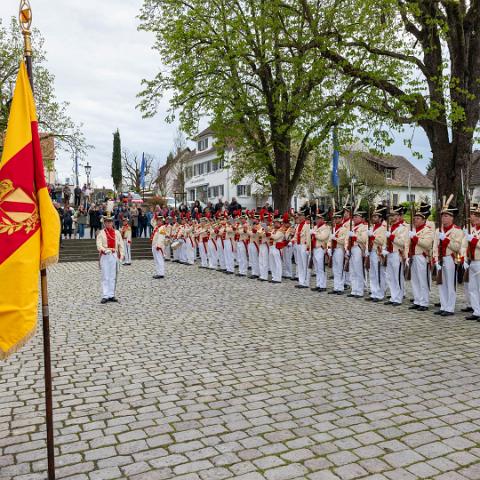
117,162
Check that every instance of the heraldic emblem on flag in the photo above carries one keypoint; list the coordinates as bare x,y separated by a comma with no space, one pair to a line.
29,223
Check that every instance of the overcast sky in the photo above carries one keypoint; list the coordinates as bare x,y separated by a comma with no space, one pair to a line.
99,59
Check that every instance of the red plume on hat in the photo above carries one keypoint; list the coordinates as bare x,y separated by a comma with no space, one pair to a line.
276,213
286,217
189,215
182,214
217,215
197,216
208,215
269,217
262,214
225,214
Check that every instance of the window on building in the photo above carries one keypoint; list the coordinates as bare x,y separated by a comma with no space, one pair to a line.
191,195
243,190
208,167
198,169
395,198
188,172
215,192
389,174
411,197
203,144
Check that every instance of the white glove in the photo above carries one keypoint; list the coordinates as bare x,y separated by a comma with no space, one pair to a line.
384,252
370,233
332,236
107,252
329,252
351,234
466,266
438,266
470,237
387,234
412,233
442,236
289,244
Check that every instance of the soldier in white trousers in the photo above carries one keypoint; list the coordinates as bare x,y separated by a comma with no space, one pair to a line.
320,238
254,248
126,233
158,248
338,239
376,244
263,253
111,250
447,250
202,235
288,250
302,241
471,250
212,248
420,246
229,249
358,245
220,253
277,243
396,238
243,250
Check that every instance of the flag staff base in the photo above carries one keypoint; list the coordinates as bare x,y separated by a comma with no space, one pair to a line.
48,376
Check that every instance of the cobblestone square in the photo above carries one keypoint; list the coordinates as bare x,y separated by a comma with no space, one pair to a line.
205,376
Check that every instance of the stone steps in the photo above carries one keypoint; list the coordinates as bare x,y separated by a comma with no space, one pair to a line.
86,250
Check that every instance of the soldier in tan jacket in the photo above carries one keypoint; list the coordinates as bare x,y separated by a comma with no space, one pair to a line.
419,253
337,251
302,241
320,238
158,247
111,250
447,250
471,250
397,237
376,245
277,244
357,240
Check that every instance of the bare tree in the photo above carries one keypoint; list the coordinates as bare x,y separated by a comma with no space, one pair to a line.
132,165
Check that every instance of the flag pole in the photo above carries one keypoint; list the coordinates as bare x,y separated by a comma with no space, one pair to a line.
25,18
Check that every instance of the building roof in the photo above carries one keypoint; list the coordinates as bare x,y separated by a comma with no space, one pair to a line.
204,133
403,169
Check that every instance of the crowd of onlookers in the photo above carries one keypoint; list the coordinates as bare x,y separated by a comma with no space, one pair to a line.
81,215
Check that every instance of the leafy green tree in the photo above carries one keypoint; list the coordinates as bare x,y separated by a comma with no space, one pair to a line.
420,63
229,60
53,118
117,161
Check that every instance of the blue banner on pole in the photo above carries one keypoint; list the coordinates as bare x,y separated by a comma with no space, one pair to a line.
142,172
335,161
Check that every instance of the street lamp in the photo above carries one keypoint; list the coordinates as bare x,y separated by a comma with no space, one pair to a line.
88,170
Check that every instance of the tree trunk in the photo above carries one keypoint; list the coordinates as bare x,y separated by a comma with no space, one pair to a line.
281,197
281,184
449,164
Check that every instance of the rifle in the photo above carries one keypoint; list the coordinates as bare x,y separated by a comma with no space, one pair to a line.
346,264
366,261
439,277
465,275
330,258
389,207
411,251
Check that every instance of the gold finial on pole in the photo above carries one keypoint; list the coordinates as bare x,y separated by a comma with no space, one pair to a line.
25,19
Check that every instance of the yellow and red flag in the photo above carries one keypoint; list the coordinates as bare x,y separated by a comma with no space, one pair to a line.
29,223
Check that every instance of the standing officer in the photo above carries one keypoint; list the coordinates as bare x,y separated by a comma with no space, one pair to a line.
110,247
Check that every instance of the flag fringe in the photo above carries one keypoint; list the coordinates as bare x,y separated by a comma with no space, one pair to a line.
48,262
18,346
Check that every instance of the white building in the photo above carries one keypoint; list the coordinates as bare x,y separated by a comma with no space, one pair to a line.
207,178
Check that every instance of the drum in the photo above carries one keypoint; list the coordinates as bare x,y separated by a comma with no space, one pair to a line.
176,244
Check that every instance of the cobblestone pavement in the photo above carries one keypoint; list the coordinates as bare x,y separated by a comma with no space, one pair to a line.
204,376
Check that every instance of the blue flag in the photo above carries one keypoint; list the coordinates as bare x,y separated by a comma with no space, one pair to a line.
142,172
336,157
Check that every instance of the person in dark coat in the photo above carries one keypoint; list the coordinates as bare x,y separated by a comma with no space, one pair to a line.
95,223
